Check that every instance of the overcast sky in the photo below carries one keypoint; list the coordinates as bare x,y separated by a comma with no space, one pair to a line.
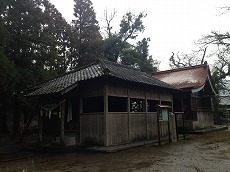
172,25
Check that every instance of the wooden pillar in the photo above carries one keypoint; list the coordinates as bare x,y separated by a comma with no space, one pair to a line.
40,118
177,135
106,114
158,118
128,110
80,120
146,116
182,105
158,125
169,131
62,122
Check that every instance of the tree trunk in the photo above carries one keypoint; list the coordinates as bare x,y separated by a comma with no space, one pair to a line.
3,120
16,120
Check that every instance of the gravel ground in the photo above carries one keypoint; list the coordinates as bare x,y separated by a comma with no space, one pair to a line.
209,152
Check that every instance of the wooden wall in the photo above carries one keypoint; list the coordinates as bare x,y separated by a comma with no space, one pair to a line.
91,88
152,126
118,128
117,88
165,95
138,126
164,128
204,120
114,128
92,128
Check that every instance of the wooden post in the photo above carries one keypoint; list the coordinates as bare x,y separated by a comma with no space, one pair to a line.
183,126
105,113
81,112
62,122
158,119
182,106
146,116
40,118
177,136
158,125
169,131
128,108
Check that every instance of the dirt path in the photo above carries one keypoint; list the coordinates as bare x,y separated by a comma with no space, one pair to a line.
209,152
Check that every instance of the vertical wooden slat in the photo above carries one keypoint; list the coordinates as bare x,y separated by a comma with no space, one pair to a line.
146,116
40,128
169,131
158,119
128,108
80,120
177,135
62,122
158,126
106,141
182,105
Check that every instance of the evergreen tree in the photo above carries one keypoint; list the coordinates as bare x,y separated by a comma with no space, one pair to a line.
114,43
86,31
139,57
37,44
7,73
117,46
40,40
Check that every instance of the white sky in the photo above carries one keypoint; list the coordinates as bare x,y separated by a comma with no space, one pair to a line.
172,25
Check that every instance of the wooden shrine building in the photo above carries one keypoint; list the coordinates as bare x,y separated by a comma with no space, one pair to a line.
104,104
198,93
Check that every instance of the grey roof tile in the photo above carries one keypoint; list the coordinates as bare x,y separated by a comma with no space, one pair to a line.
96,70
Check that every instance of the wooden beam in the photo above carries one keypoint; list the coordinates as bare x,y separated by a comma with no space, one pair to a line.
80,120
40,124
146,115
128,109
106,114
177,135
62,105
158,126
182,105
169,131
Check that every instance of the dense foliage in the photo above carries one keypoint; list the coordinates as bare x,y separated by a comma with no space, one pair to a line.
117,45
34,47
86,34
37,44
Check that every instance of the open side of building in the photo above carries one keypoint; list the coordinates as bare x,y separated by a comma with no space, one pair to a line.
105,104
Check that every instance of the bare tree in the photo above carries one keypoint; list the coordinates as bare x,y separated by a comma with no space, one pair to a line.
180,59
108,18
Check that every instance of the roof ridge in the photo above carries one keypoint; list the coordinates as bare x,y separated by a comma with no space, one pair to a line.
119,64
181,69
64,74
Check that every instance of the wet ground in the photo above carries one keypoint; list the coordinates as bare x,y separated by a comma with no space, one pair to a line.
209,152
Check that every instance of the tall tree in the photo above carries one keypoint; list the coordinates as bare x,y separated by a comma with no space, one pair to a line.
117,46
7,73
115,42
86,31
183,60
37,48
139,57
40,37
220,43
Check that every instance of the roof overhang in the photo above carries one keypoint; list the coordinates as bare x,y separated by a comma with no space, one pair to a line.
195,90
211,84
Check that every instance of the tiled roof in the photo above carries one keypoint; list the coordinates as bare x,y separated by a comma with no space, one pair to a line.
96,70
188,77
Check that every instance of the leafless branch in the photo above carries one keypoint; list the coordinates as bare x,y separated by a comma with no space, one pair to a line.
108,19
